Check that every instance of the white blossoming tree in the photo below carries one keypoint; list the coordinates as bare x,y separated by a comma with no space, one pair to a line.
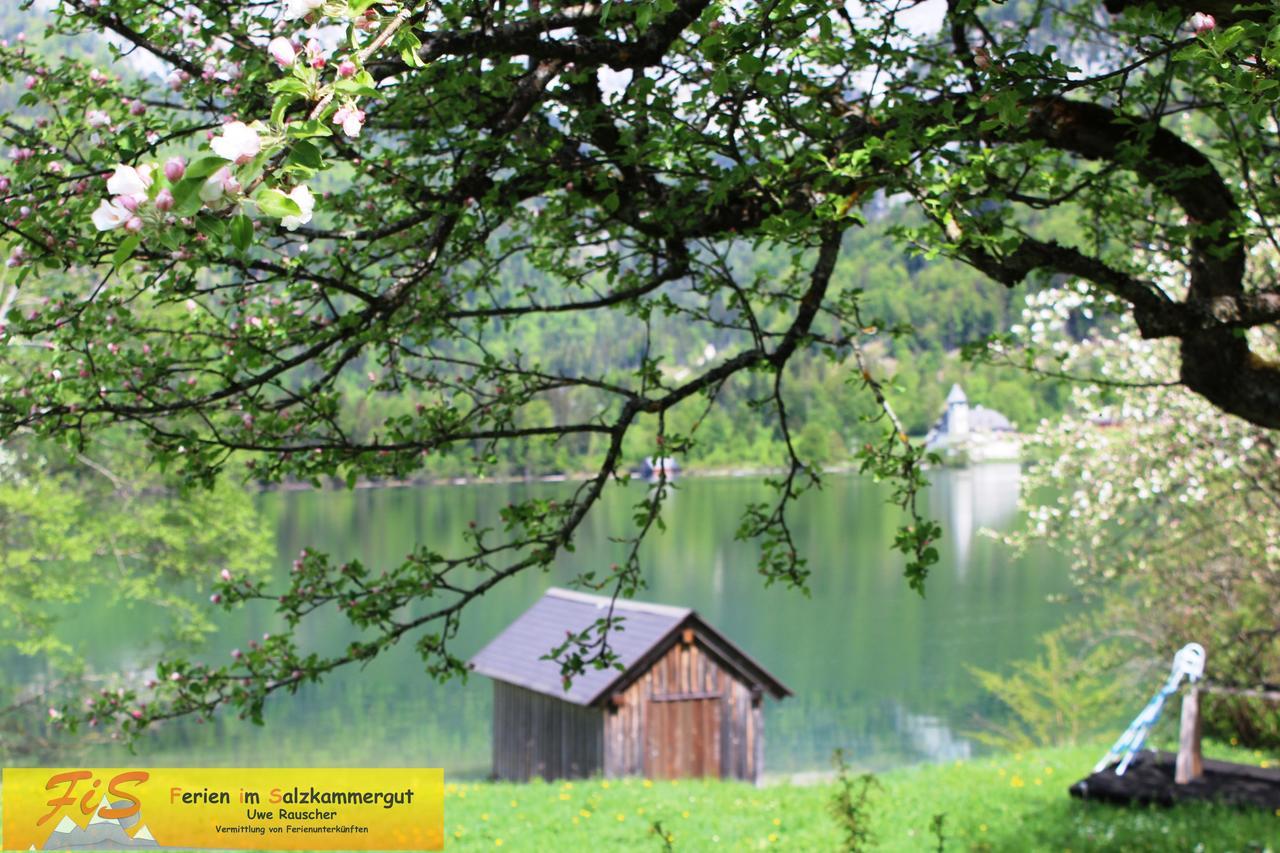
1169,512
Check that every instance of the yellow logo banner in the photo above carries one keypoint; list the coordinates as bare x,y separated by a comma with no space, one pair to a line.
124,808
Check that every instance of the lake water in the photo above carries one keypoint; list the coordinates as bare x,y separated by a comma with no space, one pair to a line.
875,668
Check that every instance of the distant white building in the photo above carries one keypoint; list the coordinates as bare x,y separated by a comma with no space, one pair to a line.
967,433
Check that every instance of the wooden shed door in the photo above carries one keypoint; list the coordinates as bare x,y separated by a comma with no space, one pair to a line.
682,738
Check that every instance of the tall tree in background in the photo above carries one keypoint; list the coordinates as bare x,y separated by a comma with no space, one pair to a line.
306,189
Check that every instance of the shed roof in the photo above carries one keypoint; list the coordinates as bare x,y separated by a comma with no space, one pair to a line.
646,630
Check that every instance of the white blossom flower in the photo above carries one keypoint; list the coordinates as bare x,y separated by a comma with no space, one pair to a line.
306,203
111,215
220,183
295,9
1202,22
130,181
238,143
351,119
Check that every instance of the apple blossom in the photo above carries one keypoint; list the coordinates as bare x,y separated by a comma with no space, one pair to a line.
238,143
97,118
134,224
110,215
175,168
306,203
351,119
221,182
130,181
295,9
346,68
1202,22
281,50
164,200
315,53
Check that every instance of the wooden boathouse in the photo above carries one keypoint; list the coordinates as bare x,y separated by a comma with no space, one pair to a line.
687,701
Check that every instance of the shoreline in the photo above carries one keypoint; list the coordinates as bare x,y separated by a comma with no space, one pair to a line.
573,477
721,473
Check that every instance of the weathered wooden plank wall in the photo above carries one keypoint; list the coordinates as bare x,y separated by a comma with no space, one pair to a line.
685,715
539,735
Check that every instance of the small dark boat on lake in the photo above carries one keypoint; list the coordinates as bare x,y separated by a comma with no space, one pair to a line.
656,468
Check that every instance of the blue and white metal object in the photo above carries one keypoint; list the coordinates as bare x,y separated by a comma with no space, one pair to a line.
1187,663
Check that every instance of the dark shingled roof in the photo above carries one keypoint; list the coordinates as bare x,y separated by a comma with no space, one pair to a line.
514,656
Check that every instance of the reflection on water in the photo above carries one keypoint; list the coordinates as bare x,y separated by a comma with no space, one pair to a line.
970,499
876,669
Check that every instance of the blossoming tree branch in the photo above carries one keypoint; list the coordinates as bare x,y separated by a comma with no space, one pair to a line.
260,200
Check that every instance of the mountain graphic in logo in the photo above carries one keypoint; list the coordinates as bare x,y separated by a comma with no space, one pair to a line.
102,834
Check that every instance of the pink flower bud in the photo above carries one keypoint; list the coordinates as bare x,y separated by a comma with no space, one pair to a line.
1202,23
137,715
137,108
128,202
175,168
134,225
237,654
225,574
30,82
282,51
164,200
215,598
346,68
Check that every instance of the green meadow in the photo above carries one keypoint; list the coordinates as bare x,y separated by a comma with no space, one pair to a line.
1014,802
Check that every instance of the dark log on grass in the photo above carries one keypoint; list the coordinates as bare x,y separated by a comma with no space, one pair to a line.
1150,780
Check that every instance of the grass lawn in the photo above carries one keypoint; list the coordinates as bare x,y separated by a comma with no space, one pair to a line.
1014,802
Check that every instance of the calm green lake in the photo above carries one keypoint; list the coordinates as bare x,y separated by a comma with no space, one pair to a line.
875,668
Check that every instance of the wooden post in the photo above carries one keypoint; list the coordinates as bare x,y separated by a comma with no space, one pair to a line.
1189,766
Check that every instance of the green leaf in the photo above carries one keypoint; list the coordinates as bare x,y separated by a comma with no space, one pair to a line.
204,167
242,232
352,87
304,129
186,196
211,226
408,45
125,250
306,154
291,85
276,204
281,106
